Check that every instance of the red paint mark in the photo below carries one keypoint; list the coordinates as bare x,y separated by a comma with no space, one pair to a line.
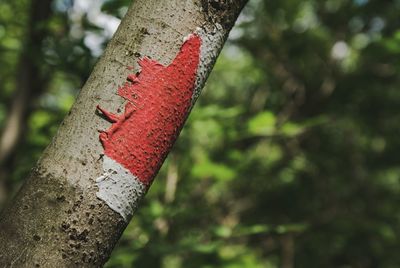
159,99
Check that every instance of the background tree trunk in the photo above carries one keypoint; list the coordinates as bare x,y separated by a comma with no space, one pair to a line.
30,83
56,220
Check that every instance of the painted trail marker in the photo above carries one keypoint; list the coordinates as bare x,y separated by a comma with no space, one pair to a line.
159,99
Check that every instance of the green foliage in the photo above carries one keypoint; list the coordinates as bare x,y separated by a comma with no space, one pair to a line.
290,156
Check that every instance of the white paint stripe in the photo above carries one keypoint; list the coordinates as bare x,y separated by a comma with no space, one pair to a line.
212,41
119,188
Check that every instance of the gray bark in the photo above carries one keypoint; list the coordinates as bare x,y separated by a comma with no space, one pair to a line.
56,220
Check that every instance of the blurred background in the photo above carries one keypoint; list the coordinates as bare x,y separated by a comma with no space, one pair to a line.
290,158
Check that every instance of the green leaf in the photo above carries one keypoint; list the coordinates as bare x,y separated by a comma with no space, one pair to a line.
217,171
262,124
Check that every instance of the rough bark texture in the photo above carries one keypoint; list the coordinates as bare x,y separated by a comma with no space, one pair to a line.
56,220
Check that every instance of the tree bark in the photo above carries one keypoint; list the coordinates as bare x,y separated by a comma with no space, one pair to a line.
65,214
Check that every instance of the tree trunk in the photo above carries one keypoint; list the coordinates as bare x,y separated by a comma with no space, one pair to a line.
82,193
